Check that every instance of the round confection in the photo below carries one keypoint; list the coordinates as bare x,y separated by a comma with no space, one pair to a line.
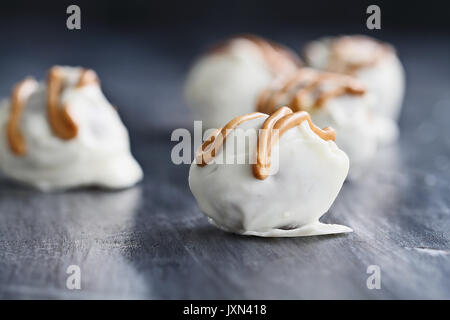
280,196
335,100
225,82
63,133
373,62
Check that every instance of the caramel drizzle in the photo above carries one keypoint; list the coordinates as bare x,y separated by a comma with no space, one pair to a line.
280,122
87,77
280,59
305,90
19,98
338,61
61,123
60,120
272,129
215,141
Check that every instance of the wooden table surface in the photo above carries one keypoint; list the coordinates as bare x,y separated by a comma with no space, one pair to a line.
152,241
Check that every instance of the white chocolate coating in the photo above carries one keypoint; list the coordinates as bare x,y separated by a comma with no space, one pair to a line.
360,132
307,174
225,84
385,79
98,156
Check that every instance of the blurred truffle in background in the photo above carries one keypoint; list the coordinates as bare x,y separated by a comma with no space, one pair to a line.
226,81
335,100
373,62
63,133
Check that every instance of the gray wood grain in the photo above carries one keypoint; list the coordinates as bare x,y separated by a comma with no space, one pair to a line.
152,241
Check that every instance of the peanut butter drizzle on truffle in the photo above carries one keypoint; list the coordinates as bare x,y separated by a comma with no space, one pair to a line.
61,123
214,143
307,89
87,77
271,131
280,122
19,98
368,52
280,59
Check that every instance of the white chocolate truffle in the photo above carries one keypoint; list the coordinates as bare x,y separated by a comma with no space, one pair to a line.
374,63
64,134
225,82
338,101
306,174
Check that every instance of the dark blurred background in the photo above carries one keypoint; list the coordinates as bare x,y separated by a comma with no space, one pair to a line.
162,246
182,14
142,49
